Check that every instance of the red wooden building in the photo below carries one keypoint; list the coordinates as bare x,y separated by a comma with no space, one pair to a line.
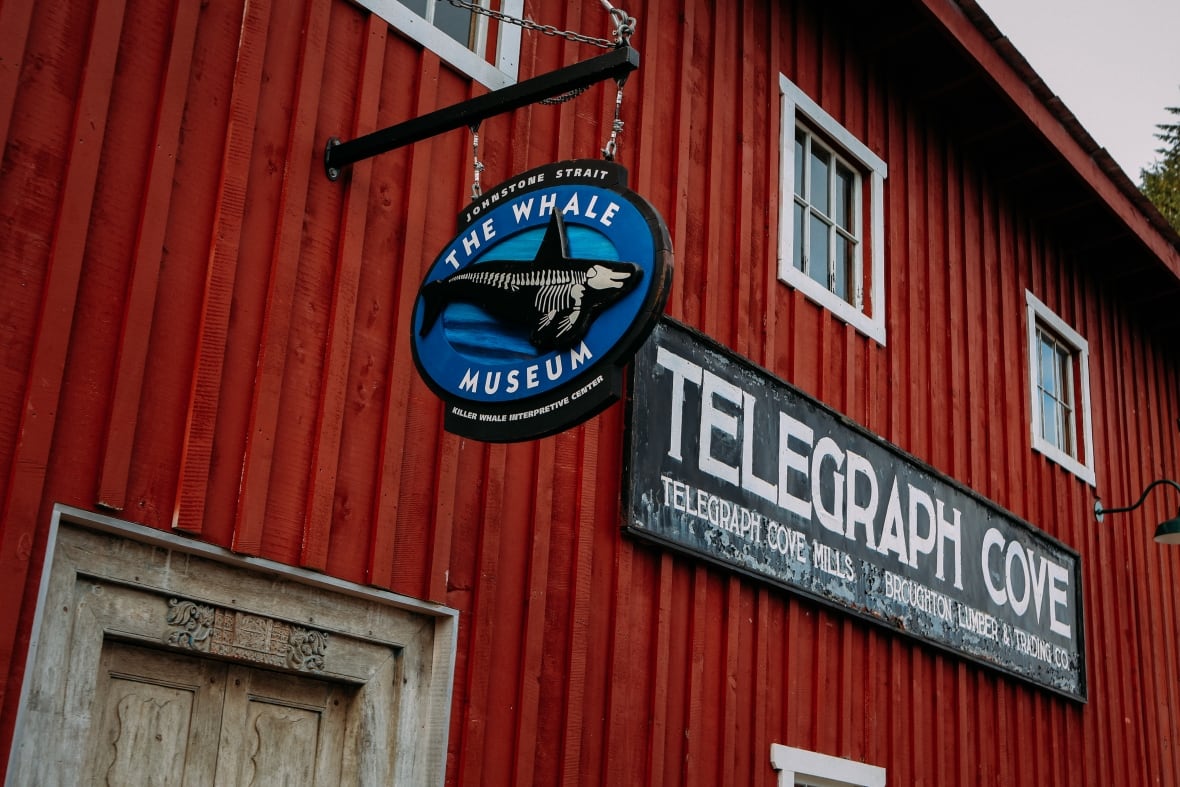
236,541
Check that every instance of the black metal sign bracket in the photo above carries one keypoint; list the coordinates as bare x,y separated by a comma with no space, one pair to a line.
616,64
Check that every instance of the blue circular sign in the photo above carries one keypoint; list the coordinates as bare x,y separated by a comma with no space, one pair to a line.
525,319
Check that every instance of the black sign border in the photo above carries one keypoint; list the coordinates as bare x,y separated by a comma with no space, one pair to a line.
646,535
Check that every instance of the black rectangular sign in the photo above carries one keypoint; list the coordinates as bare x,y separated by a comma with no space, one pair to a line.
732,464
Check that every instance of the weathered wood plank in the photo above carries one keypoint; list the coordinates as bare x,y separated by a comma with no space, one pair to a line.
123,418
272,353
325,458
20,509
15,20
205,394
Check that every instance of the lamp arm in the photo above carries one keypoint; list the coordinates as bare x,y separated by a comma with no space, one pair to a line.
1100,510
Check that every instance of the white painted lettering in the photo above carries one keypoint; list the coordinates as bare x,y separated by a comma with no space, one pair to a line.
790,460
750,481
992,539
920,544
579,356
861,514
832,519
523,210
893,530
471,243
1015,554
553,371
572,205
609,213
714,419
1058,582
470,381
682,370
949,532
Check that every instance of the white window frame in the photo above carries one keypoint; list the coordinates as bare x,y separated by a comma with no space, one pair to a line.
472,63
822,770
1081,465
799,109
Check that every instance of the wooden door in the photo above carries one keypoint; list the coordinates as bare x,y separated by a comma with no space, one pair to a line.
169,719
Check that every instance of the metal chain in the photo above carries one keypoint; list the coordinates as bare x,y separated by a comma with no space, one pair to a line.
624,28
476,164
616,126
624,24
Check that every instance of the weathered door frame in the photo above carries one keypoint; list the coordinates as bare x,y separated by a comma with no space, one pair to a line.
374,640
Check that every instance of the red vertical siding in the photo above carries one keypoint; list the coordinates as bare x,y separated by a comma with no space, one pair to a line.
200,331
86,52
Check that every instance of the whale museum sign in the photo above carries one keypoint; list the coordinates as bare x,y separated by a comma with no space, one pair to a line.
525,320
734,465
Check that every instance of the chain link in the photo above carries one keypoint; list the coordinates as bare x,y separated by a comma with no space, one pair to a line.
624,28
612,144
624,24
569,95
476,164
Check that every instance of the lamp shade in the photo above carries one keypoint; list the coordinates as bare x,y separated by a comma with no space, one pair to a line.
1168,531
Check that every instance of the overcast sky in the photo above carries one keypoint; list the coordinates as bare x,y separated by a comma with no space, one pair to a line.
1115,64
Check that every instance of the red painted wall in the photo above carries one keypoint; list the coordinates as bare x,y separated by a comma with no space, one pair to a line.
200,331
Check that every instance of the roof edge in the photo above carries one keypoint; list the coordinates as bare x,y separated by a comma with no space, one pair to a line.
970,26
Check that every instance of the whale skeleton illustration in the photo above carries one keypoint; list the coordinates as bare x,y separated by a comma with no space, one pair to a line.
554,295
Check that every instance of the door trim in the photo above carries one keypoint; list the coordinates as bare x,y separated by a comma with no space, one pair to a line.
91,557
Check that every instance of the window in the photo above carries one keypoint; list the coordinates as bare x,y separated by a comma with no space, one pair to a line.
830,182
801,768
1058,366
826,219
459,36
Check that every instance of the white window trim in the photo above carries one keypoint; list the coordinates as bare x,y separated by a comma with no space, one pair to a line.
822,769
1083,466
796,103
502,74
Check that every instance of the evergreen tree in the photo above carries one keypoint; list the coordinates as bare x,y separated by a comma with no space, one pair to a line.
1161,181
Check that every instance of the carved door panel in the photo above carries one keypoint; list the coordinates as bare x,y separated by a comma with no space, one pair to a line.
280,729
160,718
169,719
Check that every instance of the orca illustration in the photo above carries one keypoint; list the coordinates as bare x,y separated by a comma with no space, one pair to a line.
554,295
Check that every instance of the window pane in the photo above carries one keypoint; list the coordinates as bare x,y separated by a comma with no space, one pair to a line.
842,199
1055,372
1065,375
1063,429
455,22
843,275
799,140
818,262
800,228
1048,372
1065,370
1049,416
417,6
820,198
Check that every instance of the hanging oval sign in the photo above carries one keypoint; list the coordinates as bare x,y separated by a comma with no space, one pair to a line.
526,319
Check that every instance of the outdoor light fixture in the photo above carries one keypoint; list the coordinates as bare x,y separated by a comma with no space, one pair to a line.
1167,532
